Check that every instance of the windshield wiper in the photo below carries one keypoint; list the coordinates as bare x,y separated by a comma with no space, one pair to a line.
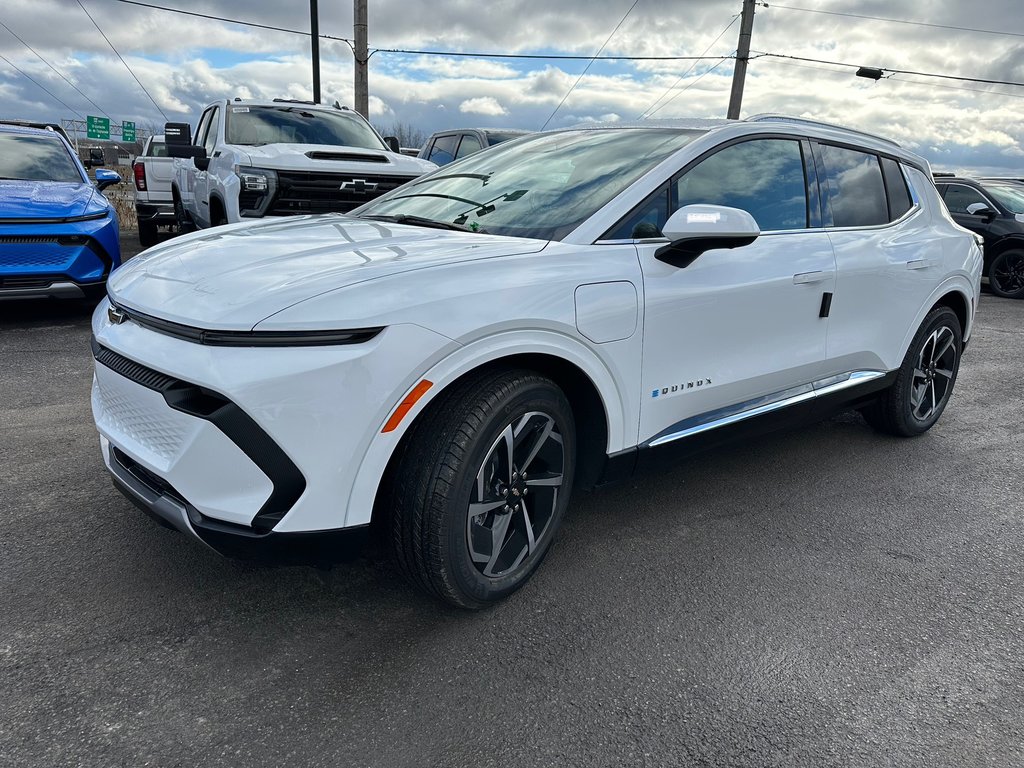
420,221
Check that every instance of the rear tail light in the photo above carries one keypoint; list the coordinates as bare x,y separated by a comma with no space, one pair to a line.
140,176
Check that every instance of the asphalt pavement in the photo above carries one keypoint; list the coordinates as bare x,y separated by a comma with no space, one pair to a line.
820,597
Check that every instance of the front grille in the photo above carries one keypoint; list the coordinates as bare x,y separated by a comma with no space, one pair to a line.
140,374
25,282
50,257
301,192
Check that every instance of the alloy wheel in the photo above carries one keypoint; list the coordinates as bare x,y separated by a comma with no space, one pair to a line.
933,375
515,495
1008,273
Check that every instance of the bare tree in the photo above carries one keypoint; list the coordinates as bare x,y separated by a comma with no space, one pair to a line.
407,135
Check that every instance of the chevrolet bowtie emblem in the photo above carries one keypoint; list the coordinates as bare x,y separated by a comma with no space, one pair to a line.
116,315
359,186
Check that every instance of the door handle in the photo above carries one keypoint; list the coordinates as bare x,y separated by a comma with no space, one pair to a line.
919,263
818,276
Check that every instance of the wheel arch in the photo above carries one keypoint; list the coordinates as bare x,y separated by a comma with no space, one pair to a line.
590,388
955,293
217,205
1007,243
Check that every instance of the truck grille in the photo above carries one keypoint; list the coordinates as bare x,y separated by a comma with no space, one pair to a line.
301,192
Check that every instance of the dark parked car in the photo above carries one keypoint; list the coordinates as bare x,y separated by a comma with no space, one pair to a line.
445,146
995,210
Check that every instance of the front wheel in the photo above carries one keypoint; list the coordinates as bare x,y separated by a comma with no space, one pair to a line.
1006,274
480,489
924,381
182,219
147,234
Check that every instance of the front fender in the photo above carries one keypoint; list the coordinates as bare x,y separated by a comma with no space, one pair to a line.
611,389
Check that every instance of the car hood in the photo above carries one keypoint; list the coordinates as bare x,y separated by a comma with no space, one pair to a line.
24,199
231,278
327,158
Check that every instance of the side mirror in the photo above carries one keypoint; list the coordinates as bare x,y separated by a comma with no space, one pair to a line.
694,229
983,210
201,161
105,178
392,142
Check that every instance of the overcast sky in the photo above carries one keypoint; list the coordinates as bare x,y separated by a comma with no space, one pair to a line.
184,62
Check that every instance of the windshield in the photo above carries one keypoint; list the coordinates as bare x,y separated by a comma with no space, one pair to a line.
543,186
1010,196
296,124
36,158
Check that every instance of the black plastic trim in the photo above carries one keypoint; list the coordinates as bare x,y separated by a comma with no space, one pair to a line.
60,220
202,403
163,503
212,338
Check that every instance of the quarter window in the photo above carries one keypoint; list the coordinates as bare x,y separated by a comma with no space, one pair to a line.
896,186
764,177
853,187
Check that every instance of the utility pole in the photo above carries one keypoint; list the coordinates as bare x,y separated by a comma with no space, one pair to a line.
739,73
361,55
314,34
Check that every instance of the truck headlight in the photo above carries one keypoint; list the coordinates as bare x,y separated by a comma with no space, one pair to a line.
256,189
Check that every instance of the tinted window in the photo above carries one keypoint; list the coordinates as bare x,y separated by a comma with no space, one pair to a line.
764,177
896,186
468,146
37,158
157,149
542,186
853,187
959,196
443,151
296,124
1009,196
210,141
496,137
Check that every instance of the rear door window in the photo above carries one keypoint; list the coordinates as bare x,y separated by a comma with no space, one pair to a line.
896,186
468,146
853,188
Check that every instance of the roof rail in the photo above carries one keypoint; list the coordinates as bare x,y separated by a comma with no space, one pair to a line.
296,101
943,175
769,117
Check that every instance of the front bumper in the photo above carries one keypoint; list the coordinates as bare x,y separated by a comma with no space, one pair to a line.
162,503
58,260
256,440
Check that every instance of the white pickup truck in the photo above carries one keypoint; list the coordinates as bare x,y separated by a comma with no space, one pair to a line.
249,159
154,206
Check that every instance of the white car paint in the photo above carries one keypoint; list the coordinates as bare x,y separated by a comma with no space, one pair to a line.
735,327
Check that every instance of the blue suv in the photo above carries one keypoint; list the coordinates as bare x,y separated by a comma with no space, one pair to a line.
58,234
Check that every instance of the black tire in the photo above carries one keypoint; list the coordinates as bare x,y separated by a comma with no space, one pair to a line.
456,456
147,234
1006,274
925,380
184,221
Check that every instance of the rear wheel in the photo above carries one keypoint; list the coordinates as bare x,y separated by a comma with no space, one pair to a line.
925,380
1006,274
482,485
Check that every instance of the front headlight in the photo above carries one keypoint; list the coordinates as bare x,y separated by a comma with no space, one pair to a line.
256,189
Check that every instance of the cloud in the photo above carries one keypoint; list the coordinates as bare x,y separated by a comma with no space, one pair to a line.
482,105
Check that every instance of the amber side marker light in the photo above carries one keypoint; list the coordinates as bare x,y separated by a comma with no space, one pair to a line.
406,405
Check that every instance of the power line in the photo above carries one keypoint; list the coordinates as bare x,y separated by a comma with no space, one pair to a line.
41,86
122,59
589,63
38,56
542,56
702,75
895,71
895,21
230,21
688,71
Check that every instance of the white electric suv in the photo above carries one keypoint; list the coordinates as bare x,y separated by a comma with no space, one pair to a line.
452,359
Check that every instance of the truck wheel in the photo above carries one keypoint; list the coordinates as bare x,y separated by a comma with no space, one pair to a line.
185,223
147,234
479,492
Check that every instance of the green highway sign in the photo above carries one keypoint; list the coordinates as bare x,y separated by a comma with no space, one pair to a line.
127,131
98,127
